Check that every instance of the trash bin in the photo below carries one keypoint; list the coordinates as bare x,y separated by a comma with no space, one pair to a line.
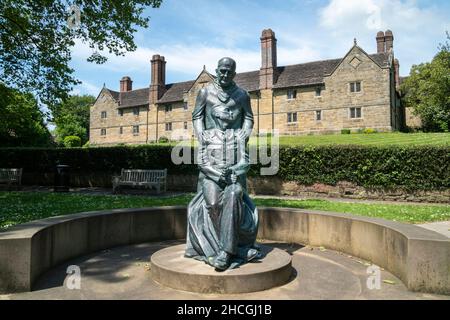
62,178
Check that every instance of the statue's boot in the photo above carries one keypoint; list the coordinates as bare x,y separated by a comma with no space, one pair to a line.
252,254
222,261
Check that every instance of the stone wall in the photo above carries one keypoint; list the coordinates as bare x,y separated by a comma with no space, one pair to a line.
262,186
114,121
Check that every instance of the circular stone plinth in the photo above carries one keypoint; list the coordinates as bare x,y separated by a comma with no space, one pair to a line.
170,268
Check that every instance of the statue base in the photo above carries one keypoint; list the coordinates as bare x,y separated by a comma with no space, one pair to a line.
170,268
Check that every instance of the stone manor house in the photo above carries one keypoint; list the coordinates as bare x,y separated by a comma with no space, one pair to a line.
357,91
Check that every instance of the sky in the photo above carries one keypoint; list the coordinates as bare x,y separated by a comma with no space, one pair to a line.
196,33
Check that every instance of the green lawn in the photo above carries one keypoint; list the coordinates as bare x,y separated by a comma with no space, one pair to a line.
20,207
381,139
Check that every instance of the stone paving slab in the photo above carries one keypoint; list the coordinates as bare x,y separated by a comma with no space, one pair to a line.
124,273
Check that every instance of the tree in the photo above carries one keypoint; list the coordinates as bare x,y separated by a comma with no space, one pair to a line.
72,141
36,38
71,117
21,121
427,90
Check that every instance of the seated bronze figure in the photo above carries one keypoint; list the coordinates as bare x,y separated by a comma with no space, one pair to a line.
222,219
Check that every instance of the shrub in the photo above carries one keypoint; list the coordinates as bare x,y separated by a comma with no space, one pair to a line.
72,141
345,131
412,168
369,130
86,145
163,140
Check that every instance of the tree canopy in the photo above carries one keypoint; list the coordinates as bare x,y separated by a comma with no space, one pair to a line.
427,90
71,117
36,38
21,120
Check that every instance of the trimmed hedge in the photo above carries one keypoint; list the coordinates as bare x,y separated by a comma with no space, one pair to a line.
412,168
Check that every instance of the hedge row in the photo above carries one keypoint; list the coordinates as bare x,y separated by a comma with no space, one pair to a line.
412,168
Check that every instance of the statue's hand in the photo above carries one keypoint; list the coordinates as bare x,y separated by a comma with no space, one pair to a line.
224,176
244,134
233,178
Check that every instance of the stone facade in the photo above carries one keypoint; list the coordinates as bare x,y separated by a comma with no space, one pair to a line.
355,92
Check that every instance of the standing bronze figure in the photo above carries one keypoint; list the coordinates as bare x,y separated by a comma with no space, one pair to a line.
222,219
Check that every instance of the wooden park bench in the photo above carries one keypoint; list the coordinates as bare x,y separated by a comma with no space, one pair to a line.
141,178
11,176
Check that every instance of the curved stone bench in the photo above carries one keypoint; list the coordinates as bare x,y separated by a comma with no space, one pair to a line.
419,257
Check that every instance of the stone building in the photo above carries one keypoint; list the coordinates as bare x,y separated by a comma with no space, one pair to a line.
357,91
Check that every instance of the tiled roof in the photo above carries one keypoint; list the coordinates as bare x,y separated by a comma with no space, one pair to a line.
134,98
174,91
303,74
248,80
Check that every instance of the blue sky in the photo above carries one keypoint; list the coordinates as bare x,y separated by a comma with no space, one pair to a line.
194,33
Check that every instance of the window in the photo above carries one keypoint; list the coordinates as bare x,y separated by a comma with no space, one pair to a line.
318,115
168,107
135,130
121,130
292,117
185,125
185,106
355,86
355,113
103,132
169,126
318,91
103,115
136,111
291,94
120,112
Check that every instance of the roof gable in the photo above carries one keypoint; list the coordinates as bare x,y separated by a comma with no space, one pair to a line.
113,94
380,59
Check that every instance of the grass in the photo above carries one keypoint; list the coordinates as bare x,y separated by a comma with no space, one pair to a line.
20,207
376,139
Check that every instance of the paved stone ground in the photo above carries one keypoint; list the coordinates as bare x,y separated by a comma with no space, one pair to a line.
123,273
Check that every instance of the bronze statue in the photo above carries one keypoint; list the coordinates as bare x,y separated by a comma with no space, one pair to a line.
222,219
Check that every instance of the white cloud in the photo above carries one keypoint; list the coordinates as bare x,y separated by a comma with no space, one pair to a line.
190,59
417,29
374,15
86,88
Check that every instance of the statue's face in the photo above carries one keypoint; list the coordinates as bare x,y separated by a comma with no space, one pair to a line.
225,72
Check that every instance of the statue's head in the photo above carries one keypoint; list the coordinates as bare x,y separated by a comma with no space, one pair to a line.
225,72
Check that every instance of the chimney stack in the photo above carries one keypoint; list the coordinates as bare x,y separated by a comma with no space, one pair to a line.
268,71
397,74
389,39
380,42
126,84
158,78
